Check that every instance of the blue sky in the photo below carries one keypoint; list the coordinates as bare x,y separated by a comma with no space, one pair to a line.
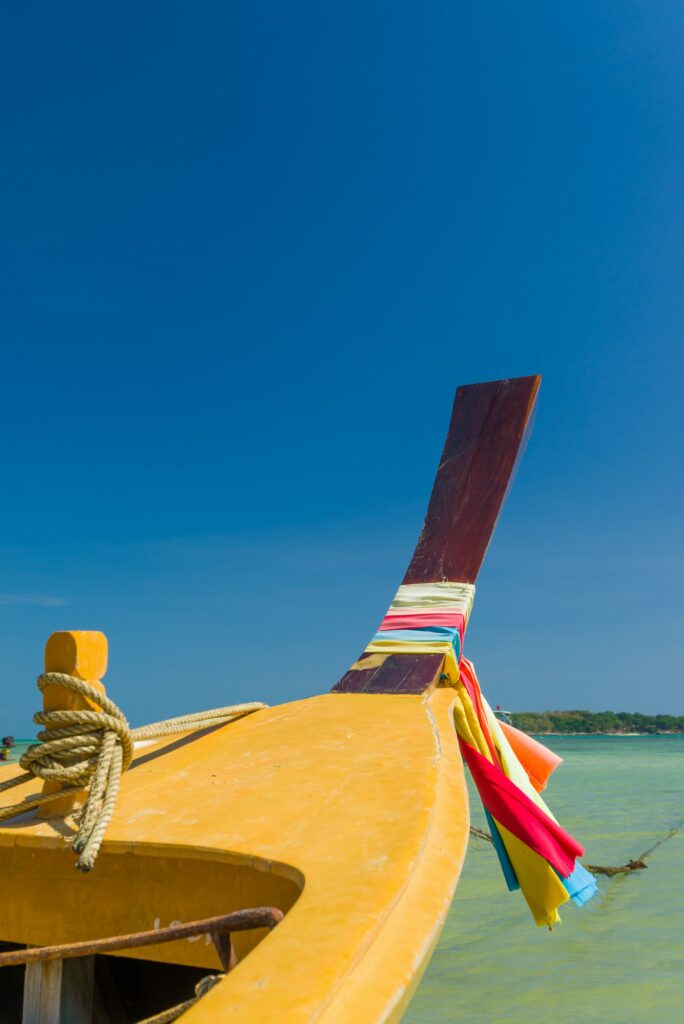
250,250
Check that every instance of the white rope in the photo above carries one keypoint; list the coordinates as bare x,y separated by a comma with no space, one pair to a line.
91,749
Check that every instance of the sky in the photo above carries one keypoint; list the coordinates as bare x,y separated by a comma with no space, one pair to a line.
249,251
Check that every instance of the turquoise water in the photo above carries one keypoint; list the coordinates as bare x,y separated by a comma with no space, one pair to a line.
620,959
20,747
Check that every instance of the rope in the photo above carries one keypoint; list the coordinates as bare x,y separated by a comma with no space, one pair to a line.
479,833
597,869
201,989
91,749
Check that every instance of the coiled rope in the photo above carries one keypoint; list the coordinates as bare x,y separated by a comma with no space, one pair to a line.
91,749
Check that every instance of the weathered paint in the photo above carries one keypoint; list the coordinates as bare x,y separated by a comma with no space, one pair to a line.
487,434
392,673
349,811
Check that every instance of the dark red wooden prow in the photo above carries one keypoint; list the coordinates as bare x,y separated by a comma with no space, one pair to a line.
487,435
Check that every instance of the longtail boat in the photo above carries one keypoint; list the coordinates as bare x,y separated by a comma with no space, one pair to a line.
297,864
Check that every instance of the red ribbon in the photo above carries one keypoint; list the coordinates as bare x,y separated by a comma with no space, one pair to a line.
520,815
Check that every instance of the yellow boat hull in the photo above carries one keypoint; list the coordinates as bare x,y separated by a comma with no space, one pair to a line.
348,811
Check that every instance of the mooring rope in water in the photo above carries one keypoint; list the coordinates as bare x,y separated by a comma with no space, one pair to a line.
91,749
597,869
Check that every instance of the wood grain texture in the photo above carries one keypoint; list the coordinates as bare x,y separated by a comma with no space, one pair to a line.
399,673
59,992
488,426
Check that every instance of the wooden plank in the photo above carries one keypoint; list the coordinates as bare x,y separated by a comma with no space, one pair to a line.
486,435
78,978
398,673
42,991
59,991
107,1005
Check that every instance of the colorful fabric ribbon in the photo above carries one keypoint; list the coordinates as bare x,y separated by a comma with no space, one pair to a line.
426,618
509,768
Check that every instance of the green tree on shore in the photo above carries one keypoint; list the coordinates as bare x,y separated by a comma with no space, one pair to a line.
596,722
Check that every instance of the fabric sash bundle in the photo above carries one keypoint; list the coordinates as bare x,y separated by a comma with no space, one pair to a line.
509,768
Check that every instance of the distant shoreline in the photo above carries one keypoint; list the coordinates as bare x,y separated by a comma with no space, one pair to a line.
664,732
596,723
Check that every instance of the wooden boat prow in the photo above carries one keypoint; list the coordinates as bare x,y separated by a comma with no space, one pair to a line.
348,810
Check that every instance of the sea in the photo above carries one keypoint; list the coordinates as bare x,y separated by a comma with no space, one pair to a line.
620,958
